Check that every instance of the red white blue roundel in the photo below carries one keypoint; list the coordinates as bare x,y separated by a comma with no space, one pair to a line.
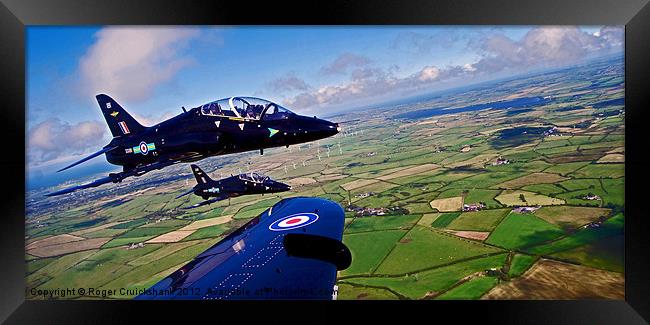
294,221
144,149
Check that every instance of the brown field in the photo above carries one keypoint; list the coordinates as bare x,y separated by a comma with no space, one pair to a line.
512,198
54,240
612,158
300,181
171,237
549,279
476,235
330,177
448,204
415,170
478,161
534,178
425,122
358,183
334,170
207,223
617,150
68,247
383,172
574,216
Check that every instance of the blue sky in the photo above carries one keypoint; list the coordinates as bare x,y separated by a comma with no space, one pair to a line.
153,71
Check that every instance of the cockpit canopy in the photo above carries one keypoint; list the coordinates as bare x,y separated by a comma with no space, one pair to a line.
245,107
253,177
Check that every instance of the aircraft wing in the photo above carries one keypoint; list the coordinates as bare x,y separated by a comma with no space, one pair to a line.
100,152
206,202
291,251
116,177
94,183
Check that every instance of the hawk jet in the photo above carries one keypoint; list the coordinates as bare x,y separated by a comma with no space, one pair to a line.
233,186
221,127
292,250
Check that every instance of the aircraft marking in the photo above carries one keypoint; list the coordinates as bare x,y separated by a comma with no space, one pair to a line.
114,114
144,148
123,127
272,132
293,221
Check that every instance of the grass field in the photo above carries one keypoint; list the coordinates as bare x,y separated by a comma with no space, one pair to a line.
369,249
523,230
485,220
519,264
373,223
423,248
470,290
416,286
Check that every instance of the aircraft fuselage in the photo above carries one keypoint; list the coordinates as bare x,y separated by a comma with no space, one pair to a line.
192,136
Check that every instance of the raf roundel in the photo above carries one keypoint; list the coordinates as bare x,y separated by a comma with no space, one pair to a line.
144,148
293,221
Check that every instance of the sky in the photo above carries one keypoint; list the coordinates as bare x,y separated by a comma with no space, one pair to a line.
153,71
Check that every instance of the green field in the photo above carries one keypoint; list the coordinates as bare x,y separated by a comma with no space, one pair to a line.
523,230
382,223
369,249
417,285
520,263
470,290
485,220
423,248
445,219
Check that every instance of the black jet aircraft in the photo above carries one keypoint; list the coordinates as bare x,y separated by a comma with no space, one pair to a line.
233,186
292,250
225,126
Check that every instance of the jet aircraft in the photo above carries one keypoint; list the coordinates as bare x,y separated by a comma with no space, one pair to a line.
233,186
292,250
225,126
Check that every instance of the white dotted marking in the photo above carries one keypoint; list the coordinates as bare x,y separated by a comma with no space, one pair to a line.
233,287
274,251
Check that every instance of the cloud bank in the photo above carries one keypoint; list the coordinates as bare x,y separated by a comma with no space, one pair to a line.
53,138
129,62
538,48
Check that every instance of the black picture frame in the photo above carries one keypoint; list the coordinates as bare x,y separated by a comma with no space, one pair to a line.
16,14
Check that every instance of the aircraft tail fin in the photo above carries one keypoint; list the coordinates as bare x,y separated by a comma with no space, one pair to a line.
119,121
201,176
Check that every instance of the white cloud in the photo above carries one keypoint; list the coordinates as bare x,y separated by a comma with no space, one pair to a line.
129,62
344,62
429,73
53,138
287,83
547,47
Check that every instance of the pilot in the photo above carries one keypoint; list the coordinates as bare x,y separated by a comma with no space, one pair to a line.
250,111
215,109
